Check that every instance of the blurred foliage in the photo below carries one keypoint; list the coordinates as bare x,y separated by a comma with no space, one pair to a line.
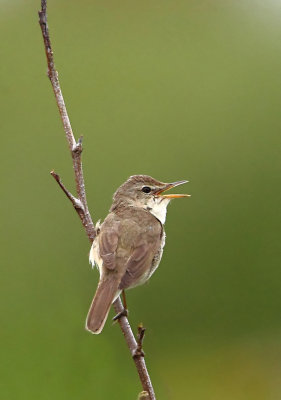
173,89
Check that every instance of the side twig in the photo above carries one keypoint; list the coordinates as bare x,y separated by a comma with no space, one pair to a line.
75,202
139,351
80,203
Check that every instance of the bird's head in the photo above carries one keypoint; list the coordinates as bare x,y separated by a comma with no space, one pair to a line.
145,192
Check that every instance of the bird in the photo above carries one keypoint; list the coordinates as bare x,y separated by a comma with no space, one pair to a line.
128,245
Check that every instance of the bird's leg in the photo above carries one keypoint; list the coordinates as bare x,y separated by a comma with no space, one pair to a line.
124,312
124,300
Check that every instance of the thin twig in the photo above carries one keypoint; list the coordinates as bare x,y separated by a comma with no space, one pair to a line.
74,147
75,202
80,203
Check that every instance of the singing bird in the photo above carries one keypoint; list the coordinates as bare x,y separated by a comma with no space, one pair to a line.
129,243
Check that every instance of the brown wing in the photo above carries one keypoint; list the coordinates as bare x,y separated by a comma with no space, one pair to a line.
128,245
108,242
138,266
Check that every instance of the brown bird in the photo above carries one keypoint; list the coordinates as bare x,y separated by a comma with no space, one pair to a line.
129,243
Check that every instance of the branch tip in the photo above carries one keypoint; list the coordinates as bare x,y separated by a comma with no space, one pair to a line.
141,332
143,395
56,176
44,5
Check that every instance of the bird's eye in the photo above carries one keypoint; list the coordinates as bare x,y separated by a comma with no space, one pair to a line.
146,189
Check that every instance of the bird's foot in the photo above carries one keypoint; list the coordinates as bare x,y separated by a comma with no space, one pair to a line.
123,313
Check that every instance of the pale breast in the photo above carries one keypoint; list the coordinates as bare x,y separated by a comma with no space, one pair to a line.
94,256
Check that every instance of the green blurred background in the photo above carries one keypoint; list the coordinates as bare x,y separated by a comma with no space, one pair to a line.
177,90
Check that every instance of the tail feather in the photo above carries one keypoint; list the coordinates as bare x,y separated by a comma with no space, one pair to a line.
106,293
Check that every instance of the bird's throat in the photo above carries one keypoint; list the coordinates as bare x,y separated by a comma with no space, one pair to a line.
157,206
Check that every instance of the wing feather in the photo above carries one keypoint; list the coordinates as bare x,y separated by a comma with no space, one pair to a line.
128,248
108,242
138,266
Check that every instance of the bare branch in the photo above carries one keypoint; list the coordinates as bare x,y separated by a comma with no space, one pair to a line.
75,148
81,207
134,346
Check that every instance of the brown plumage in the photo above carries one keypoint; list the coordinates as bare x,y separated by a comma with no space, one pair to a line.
129,244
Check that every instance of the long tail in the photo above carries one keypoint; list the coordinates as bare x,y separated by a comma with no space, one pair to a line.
106,293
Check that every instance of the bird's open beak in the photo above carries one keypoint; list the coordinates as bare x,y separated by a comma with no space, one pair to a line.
170,186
